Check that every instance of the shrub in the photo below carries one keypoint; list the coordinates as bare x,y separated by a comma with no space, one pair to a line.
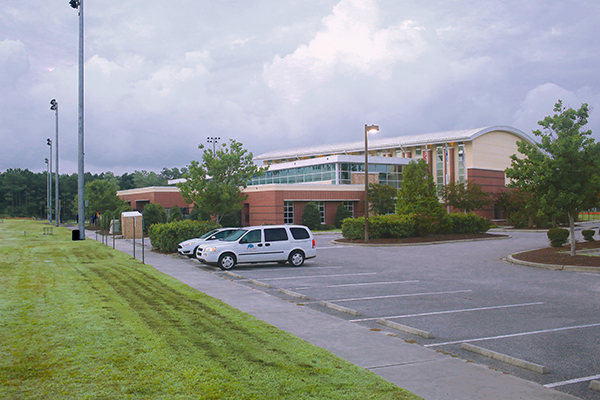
429,224
558,236
468,223
353,228
341,214
323,227
380,227
588,235
311,217
154,214
175,214
166,237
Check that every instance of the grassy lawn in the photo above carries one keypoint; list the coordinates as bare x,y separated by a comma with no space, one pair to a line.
79,320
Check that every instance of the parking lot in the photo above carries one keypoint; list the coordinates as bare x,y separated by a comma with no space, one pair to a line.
458,293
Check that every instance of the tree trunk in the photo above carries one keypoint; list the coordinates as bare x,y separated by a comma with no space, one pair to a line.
572,233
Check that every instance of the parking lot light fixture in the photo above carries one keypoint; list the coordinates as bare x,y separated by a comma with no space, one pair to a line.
54,107
368,129
49,143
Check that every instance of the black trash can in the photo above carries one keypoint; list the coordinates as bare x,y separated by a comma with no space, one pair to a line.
75,234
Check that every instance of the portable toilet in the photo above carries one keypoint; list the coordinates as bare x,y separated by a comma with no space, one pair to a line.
132,223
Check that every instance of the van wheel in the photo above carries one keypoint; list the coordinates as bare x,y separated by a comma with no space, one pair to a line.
226,261
296,258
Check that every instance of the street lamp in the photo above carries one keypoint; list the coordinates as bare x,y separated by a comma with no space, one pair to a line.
49,143
368,129
48,211
54,107
214,141
78,4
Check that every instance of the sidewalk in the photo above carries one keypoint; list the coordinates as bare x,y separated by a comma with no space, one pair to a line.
427,373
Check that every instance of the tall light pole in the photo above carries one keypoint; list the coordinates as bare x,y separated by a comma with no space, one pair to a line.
54,107
48,211
214,141
368,129
49,143
78,4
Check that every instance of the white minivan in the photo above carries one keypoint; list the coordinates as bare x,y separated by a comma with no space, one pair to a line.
257,244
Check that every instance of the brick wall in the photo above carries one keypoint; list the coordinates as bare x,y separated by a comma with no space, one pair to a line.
491,181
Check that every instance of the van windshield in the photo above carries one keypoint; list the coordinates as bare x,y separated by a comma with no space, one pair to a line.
235,235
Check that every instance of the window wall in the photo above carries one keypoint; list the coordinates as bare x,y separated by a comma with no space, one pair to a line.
288,212
388,174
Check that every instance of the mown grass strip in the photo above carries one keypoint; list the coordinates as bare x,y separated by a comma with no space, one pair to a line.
80,320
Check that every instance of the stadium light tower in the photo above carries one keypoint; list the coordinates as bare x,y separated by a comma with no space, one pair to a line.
54,107
49,143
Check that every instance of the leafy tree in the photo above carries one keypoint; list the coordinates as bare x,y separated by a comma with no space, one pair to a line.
144,178
175,214
197,214
311,217
215,185
174,173
382,198
465,196
126,181
562,170
154,213
102,197
341,214
418,193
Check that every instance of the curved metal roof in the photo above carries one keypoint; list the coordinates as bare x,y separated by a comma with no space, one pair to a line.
396,142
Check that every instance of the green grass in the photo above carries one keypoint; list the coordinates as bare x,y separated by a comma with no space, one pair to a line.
79,320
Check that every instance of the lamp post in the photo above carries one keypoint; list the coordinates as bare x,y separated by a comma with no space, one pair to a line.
368,129
49,143
48,211
54,107
214,141
78,4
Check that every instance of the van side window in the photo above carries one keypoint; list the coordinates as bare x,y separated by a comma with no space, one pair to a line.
251,237
275,235
299,233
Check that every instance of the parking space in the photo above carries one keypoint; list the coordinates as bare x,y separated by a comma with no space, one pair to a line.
461,293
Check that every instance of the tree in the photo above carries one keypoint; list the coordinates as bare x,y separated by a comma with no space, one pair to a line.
311,217
418,193
341,214
144,178
175,214
465,196
102,197
216,184
154,213
562,171
382,198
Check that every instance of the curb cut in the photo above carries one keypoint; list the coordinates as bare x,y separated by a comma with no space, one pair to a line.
419,244
406,329
339,308
554,267
540,369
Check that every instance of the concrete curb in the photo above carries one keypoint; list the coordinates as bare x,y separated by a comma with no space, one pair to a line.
294,294
540,369
595,385
234,275
418,244
405,328
555,267
339,308
259,283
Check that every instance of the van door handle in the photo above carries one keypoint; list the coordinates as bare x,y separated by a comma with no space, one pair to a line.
267,244
259,245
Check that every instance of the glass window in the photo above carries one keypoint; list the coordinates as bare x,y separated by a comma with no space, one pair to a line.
439,170
300,233
275,234
321,206
288,212
461,162
418,151
252,237
350,206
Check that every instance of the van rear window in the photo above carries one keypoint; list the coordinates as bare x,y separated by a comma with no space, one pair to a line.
275,235
300,233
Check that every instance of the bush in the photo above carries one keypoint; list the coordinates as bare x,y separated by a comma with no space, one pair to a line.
175,214
468,223
341,214
166,237
558,237
323,227
154,214
429,224
588,235
380,227
311,217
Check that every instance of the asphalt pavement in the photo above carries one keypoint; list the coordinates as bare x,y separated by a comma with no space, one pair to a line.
428,373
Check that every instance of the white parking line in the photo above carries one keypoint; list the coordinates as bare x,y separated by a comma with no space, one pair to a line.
513,335
399,295
333,247
570,381
372,283
316,276
449,311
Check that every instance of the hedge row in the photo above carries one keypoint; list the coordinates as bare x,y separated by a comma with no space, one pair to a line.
401,226
166,237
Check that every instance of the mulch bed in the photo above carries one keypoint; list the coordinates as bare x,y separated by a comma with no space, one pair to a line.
562,255
428,239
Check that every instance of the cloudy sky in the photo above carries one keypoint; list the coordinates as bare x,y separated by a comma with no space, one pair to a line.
162,76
